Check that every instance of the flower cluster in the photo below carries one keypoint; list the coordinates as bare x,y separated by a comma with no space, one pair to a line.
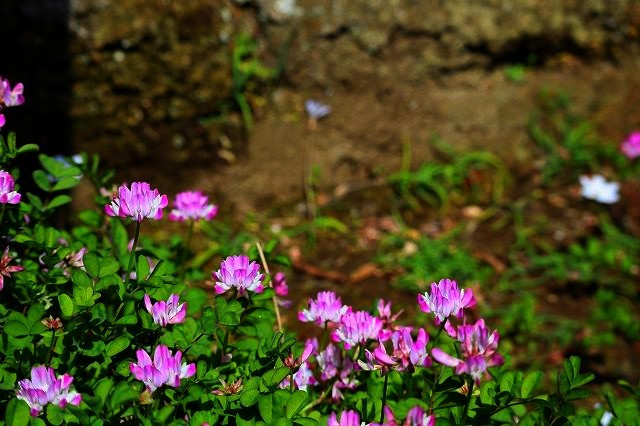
406,353
446,300
357,328
326,310
630,147
237,272
138,203
479,351
9,97
44,388
7,193
5,268
192,205
169,312
597,188
165,369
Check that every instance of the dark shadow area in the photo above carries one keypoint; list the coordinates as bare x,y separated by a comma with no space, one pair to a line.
34,36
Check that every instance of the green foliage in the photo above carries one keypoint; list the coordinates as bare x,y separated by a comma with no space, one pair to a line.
431,260
570,144
477,176
245,67
75,304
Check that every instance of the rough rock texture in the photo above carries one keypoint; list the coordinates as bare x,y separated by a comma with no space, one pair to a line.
151,79
152,84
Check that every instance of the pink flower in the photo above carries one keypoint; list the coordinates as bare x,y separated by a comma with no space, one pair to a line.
138,203
409,352
45,388
388,320
5,269
631,146
302,379
347,418
237,272
192,205
479,351
2,120
165,369
7,194
417,417
169,312
356,328
280,285
406,354
445,300
11,97
310,347
327,309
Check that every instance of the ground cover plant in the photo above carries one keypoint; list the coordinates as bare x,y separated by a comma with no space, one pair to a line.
103,323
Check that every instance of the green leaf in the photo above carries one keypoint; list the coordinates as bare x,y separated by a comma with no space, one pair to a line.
118,345
208,321
265,406
506,381
41,179
84,296
122,394
30,147
142,268
249,397
531,383
66,182
273,378
127,320
17,328
17,413
91,264
108,266
66,305
296,403
80,278
575,394
107,281
58,201
55,414
102,388
582,379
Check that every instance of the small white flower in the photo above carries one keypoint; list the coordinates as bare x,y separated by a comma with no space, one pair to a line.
597,188
317,109
606,419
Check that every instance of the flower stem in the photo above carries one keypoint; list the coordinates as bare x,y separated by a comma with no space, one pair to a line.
384,397
200,336
470,384
53,342
442,325
133,254
185,253
274,298
2,212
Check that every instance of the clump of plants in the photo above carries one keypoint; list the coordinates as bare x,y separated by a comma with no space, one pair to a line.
101,324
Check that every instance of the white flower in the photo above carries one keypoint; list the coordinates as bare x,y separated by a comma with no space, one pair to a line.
597,188
606,418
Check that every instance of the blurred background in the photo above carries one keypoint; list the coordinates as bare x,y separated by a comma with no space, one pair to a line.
456,134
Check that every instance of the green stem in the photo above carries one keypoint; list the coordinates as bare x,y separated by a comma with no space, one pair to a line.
200,336
53,342
185,253
2,212
133,255
384,396
470,384
442,324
